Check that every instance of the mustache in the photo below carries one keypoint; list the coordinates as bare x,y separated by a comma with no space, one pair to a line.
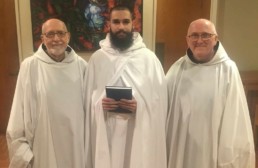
57,43
200,45
121,31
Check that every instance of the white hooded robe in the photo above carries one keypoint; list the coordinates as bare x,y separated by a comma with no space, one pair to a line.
127,140
46,125
208,123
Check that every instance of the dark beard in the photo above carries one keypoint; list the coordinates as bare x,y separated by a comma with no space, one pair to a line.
121,43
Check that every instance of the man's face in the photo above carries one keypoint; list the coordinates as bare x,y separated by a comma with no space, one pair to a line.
121,29
201,39
55,37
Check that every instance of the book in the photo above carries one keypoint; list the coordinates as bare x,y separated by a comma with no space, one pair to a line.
117,93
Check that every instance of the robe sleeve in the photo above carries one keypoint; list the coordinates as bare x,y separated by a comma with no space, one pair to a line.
20,152
235,145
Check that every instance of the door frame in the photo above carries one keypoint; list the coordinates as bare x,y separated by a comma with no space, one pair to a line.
214,11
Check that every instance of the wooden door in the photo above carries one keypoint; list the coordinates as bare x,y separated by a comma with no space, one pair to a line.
173,19
9,63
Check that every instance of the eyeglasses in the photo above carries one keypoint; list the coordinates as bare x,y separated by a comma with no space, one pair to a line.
204,36
51,34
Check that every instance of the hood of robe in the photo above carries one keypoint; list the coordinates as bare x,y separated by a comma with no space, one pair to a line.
107,46
42,55
220,56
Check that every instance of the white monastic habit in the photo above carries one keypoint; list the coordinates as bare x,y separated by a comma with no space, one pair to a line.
46,125
208,122
128,140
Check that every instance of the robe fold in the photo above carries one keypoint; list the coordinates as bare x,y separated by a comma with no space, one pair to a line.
208,124
127,140
46,125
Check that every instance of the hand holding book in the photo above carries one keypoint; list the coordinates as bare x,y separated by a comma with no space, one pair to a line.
130,105
119,99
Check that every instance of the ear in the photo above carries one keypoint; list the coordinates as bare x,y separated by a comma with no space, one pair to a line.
42,38
68,36
216,38
187,40
108,24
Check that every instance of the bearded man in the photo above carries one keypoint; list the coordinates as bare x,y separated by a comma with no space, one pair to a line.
135,139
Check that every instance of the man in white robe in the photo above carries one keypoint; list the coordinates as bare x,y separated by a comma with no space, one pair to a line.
208,124
46,125
126,140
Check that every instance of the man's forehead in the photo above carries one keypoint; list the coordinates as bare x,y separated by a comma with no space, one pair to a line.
199,29
54,26
120,20
120,14
200,25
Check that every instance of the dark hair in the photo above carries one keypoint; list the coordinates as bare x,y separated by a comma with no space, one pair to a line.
122,7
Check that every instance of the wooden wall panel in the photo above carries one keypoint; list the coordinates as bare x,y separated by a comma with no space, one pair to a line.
9,63
173,19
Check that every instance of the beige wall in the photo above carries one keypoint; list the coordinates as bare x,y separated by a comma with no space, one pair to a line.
237,25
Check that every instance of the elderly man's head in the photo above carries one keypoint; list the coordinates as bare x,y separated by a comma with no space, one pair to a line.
201,39
56,38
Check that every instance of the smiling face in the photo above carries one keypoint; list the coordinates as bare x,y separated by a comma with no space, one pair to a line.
201,39
56,38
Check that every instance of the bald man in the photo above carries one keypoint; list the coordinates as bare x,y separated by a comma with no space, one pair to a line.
208,124
46,125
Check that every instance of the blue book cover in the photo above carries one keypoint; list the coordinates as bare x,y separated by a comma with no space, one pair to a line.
117,93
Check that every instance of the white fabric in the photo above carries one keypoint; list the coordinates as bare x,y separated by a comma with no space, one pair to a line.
208,122
46,125
128,140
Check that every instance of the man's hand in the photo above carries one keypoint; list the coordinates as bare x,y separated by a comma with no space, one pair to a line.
130,105
109,104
